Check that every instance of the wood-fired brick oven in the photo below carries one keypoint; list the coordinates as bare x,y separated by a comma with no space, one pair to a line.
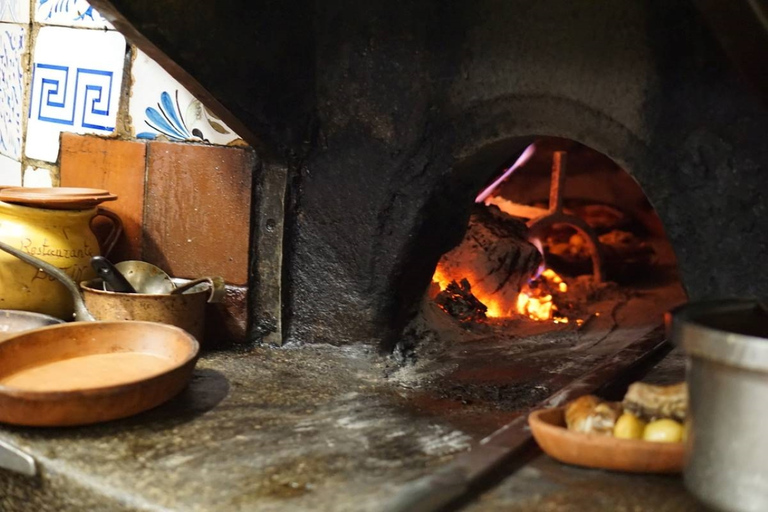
381,121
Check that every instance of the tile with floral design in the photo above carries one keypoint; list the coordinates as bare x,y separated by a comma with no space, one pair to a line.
161,107
69,13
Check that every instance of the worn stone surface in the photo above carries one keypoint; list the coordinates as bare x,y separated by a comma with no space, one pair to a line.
265,430
313,428
393,115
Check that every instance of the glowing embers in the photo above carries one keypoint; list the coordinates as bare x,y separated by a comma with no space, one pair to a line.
537,300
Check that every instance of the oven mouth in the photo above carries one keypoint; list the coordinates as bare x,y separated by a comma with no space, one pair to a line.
561,236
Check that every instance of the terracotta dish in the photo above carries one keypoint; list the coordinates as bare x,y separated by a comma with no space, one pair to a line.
56,198
89,372
603,452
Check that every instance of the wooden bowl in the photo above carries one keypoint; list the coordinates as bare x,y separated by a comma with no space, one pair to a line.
89,372
603,452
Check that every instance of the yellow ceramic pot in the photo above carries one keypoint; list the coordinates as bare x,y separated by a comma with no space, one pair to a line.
62,238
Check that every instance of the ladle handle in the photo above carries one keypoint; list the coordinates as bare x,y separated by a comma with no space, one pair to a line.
81,312
218,288
110,275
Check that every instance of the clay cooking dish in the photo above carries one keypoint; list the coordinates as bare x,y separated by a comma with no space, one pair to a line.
56,198
89,372
603,452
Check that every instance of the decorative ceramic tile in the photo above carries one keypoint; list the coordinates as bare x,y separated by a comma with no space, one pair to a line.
160,105
37,177
76,76
10,172
69,13
12,41
16,11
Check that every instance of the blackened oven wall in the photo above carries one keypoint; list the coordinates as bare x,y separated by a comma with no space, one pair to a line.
419,103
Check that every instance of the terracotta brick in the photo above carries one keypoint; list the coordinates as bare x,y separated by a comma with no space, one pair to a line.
198,203
114,165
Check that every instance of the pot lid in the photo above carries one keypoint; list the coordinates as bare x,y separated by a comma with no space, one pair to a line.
56,198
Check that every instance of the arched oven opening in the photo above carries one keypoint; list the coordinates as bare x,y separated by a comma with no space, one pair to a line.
563,261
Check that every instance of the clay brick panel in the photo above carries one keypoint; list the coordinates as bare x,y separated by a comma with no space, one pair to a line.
197,216
114,165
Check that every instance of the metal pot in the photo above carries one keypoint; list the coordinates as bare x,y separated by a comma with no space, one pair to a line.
185,310
727,345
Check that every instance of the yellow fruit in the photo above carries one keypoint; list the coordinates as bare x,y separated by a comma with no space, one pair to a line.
628,426
663,431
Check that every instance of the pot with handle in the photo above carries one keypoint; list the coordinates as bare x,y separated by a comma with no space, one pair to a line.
62,238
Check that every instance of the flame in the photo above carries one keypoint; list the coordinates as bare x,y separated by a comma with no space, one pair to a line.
541,307
531,302
441,279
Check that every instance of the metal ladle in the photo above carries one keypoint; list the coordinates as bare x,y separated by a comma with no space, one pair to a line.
146,278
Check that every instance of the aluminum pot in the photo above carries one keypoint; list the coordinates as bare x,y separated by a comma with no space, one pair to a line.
727,345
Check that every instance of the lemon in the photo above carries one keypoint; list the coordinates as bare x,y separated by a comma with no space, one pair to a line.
628,426
663,431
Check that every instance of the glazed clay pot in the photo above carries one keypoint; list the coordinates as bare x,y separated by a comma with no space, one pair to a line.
60,237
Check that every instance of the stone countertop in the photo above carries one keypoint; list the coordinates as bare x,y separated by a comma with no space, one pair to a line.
313,428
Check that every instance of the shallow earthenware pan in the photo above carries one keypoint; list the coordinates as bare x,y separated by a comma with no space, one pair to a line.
603,452
89,372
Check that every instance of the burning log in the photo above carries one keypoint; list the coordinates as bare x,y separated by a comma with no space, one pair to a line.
457,300
495,257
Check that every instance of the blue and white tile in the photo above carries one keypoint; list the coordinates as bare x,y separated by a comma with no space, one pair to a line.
69,13
161,107
37,177
10,172
76,78
15,11
12,49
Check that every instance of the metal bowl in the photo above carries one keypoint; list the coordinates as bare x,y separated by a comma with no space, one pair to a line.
13,322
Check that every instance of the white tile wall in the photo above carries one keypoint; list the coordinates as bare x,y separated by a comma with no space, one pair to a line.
12,56
76,79
37,177
160,105
10,172
68,13
16,11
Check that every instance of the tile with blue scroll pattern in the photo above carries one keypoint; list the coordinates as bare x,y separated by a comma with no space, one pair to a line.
161,107
15,11
69,13
75,87
12,51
